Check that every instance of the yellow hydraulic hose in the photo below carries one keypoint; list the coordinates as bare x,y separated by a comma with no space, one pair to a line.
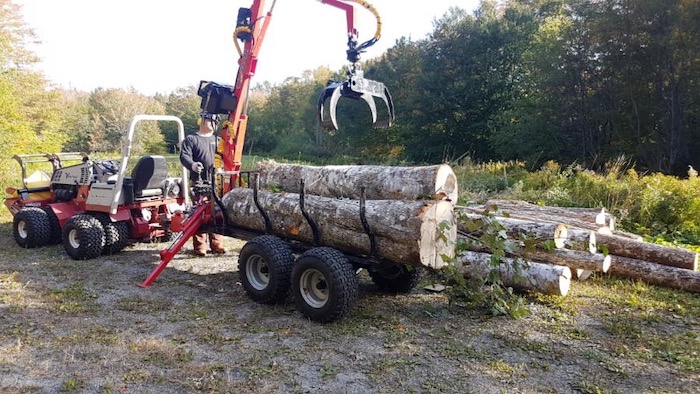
239,30
374,11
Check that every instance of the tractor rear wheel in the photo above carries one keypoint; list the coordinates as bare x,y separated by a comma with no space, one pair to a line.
31,227
265,265
83,237
398,279
324,285
116,234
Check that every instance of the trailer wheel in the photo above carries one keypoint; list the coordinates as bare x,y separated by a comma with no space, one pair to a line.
54,226
324,285
30,227
83,237
265,265
398,279
116,234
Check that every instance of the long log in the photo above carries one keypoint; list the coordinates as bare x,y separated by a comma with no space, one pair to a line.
515,228
660,254
380,182
574,259
655,274
405,232
528,275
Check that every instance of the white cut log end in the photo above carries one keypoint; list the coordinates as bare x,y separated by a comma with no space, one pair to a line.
607,262
437,232
446,183
560,236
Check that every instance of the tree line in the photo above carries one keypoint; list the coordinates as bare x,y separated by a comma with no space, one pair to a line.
575,81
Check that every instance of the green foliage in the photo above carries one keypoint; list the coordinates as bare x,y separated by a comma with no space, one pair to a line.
486,292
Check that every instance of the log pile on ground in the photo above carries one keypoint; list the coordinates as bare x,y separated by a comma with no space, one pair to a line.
584,240
407,210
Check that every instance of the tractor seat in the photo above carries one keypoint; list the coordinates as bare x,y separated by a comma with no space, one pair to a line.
148,176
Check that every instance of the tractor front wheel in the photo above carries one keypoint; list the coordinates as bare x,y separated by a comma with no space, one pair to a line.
31,227
83,237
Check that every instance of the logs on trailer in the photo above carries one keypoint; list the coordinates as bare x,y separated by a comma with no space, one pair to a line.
436,182
405,232
655,274
660,254
516,273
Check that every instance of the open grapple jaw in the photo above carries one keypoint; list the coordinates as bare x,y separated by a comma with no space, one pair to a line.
356,87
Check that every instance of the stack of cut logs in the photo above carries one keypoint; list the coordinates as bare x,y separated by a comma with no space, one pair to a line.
403,215
570,243
407,215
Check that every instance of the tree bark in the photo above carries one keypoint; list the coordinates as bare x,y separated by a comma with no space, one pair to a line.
515,228
380,182
665,255
574,259
655,274
416,233
524,275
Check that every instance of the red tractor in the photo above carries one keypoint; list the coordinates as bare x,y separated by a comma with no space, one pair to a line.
93,207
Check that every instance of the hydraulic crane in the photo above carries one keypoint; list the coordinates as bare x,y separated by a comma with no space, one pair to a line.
251,26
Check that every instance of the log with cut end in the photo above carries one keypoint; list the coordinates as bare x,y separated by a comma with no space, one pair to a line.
660,254
436,182
516,228
574,259
416,233
655,274
516,273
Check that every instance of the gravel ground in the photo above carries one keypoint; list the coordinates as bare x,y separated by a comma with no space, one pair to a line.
85,326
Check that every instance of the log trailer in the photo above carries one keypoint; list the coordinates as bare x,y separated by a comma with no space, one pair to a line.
322,280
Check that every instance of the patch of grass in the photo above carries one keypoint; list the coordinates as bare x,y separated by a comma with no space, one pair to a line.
586,387
329,371
160,353
72,384
74,299
141,304
90,335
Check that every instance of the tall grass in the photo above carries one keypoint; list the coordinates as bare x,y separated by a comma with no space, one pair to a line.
655,205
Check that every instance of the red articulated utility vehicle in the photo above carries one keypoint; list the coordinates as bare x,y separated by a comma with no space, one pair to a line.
92,206
322,280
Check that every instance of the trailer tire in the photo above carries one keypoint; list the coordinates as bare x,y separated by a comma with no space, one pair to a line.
83,237
54,226
116,234
397,279
324,285
265,265
31,227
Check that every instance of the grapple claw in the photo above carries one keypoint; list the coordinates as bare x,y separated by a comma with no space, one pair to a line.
355,87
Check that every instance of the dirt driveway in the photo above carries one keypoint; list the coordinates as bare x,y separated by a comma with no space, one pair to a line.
84,326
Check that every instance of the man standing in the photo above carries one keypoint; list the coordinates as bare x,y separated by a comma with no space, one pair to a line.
197,155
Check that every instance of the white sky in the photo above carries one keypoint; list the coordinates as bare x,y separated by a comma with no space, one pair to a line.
159,45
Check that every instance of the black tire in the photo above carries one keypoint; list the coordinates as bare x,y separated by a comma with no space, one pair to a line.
265,266
31,227
54,226
116,234
397,279
324,285
83,237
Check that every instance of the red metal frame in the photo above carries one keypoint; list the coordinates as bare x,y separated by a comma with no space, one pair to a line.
234,131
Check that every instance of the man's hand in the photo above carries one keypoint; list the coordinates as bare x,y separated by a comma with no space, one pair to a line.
197,167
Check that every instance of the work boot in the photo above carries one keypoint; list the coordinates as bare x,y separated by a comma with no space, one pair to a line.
199,241
217,244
